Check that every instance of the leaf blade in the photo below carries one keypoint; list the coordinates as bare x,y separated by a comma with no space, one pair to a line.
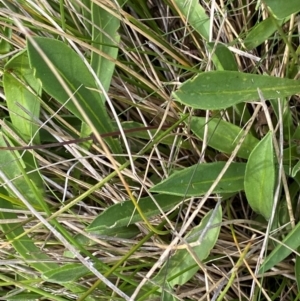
282,8
290,242
79,80
197,179
66,273
124,214
260,177
195,14
105,37
21,86
223,136
215,90
182,260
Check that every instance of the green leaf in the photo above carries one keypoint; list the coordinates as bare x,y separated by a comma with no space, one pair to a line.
197,18
195,15
283,8
105,37
166,295
128,232
222,57
197,179
22,90
261,32
23,297
223,136
66,273
291,242
5,43
260,177
124,214
221,89
17,172
181,267
79,80
21,87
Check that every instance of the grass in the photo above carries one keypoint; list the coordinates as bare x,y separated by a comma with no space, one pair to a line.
188,188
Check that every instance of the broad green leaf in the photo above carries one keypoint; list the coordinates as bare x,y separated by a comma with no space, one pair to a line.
221,89
222,57
261,32
22,91
291,242
195,15
105,37
124,214
197,179
283,8
223,136
66,273
78,79
21,87
181,266
260,177
15,169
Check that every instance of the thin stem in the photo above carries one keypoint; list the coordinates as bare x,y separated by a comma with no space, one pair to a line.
79,140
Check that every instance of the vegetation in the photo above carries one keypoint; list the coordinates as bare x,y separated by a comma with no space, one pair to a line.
149,150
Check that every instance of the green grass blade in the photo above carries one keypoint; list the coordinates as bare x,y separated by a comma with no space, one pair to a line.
291,242
23,297
22,285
